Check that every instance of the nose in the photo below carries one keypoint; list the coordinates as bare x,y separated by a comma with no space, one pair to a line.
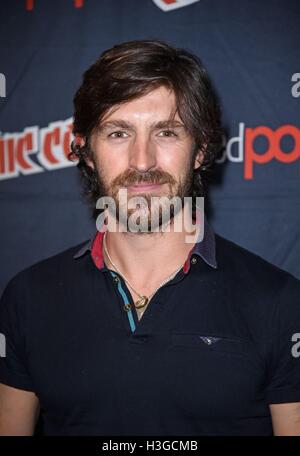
142,155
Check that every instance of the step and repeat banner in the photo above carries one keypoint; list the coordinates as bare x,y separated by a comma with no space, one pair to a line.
252,52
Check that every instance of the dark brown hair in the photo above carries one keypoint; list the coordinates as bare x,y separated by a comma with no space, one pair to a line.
132,69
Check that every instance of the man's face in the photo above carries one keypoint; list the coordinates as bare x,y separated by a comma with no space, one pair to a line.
139,149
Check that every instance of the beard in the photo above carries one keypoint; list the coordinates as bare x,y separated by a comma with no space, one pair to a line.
148,211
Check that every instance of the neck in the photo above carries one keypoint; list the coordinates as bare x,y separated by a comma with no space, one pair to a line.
149,257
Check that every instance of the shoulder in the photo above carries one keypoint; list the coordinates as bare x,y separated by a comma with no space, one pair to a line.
263,296
251,270
49,271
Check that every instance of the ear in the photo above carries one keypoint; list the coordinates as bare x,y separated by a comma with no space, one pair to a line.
89,162
199,158
81,142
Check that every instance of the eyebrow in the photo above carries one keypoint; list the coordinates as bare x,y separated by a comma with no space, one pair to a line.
129,126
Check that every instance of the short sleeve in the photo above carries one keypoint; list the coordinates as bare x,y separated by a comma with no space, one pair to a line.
13,368
284,375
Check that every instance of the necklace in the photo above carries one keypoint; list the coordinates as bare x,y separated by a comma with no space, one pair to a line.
143,300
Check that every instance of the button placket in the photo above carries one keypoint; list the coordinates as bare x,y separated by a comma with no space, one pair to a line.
125,298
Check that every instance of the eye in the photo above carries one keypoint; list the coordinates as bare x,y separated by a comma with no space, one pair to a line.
117,134
169,133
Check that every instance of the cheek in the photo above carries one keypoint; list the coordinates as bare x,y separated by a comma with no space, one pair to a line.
177,164
110,163
177,155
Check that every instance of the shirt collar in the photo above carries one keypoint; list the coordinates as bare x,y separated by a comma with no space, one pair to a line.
206,248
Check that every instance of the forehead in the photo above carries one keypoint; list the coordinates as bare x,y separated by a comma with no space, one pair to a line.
158,102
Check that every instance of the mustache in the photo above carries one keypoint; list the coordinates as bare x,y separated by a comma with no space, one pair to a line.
149,177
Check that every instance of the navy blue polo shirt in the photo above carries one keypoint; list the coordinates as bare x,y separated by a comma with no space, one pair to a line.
216,345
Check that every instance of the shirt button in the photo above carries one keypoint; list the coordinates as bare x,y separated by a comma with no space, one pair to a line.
194,260
116,279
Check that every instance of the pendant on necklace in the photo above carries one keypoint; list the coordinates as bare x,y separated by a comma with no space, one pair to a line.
141,302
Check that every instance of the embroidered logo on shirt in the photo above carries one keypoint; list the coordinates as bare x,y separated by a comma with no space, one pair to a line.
209,340
168,5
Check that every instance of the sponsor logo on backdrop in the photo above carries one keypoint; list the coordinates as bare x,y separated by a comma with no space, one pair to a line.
241,148
49,146
30,4
165,5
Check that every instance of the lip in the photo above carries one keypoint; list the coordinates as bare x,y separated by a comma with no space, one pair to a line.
144,187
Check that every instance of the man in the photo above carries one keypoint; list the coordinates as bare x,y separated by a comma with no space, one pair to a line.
141,332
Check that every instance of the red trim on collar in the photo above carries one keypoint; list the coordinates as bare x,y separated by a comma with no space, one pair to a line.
97,250
187,264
